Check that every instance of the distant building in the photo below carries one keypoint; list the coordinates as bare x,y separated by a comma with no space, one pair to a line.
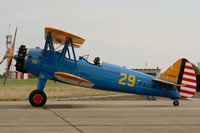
153,72
11,74
17,75
20,75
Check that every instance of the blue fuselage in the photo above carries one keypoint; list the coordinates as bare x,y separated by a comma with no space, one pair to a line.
105,76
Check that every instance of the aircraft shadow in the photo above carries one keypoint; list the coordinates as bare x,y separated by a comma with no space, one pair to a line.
65,106
83,106
48,106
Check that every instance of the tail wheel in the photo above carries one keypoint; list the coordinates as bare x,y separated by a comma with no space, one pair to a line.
176,103
37,98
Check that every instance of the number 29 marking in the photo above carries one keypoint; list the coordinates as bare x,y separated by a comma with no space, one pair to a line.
130,78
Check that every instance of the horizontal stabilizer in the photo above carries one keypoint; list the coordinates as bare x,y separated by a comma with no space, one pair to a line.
166,82
72,79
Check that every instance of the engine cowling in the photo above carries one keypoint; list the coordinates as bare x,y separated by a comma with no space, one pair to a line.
20,59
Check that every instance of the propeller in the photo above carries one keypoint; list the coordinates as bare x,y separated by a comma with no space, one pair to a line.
9,55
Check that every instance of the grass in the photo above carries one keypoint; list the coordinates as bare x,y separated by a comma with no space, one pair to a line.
16,90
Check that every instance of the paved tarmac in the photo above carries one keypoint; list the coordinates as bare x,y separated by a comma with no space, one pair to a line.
100,117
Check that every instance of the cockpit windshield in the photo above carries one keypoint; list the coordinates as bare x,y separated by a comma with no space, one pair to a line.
84,56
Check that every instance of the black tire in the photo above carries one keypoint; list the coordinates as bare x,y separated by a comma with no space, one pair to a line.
37,98
176,103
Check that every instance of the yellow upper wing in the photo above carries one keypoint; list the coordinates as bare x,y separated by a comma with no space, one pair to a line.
60,37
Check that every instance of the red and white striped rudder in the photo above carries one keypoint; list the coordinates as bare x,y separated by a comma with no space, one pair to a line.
188,80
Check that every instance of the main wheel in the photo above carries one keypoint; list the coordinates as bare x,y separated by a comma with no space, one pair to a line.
37,98
176,103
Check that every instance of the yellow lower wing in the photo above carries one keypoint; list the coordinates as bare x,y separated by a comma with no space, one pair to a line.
72,79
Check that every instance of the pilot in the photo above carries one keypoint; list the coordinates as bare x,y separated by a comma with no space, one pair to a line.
96,61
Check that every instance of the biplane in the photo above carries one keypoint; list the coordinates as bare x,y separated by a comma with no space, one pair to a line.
177,82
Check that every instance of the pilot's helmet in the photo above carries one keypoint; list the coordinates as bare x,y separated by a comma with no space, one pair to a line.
97,59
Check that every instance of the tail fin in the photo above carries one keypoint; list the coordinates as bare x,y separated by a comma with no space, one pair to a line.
182,72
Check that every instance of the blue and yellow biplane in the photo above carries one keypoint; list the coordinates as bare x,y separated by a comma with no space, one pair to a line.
178,81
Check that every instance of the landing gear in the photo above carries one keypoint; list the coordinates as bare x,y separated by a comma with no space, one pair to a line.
37,98
176,102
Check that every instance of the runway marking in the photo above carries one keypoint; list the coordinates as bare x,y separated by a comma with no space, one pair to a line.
66,121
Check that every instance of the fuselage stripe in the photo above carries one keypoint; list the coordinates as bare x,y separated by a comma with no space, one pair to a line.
187,92
189,70
189,83
189,67
188,64
189,80
188,89
189,77
190,86
190,74
184,97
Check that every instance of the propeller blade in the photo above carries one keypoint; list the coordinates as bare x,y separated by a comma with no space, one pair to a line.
2,60
7,71
10,57
13,46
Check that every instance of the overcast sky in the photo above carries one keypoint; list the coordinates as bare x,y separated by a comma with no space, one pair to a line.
124,32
